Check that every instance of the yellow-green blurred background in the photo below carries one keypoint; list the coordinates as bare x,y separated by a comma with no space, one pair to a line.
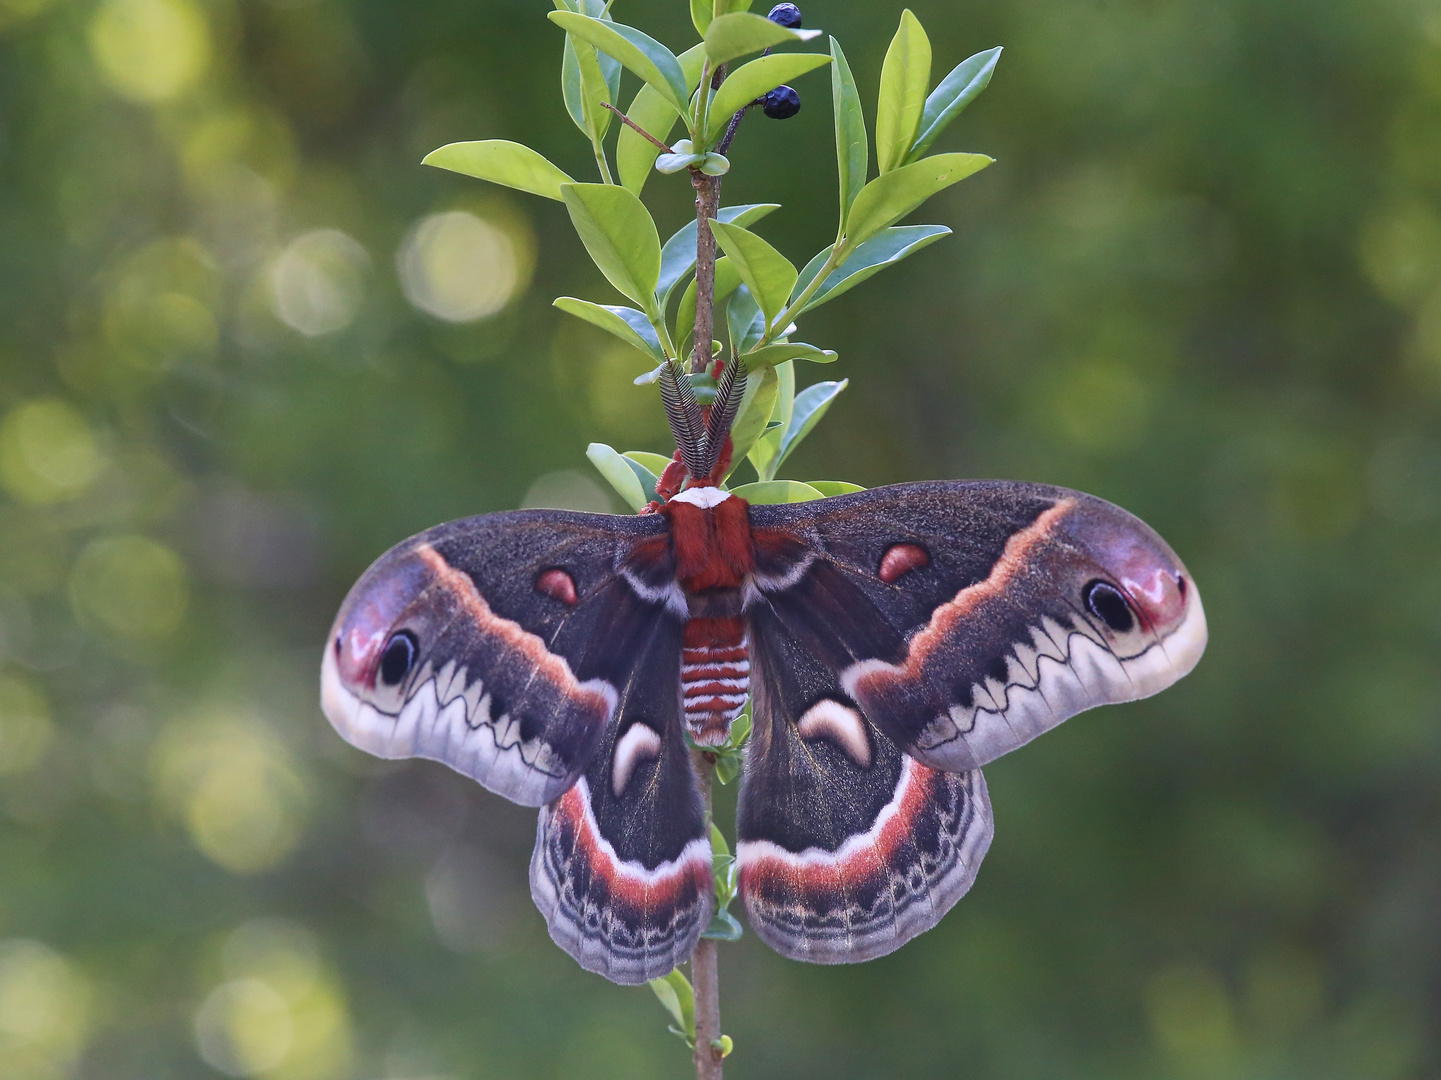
247,342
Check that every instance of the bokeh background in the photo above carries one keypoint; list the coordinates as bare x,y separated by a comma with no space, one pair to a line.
247,342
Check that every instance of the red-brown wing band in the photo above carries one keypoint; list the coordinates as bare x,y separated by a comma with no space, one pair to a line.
521,630
966,618
847,847
622,863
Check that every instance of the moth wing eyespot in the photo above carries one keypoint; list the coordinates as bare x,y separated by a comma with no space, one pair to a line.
398,658
1109,604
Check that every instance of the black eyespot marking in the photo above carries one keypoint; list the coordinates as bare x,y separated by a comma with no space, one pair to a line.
1106,603
398,658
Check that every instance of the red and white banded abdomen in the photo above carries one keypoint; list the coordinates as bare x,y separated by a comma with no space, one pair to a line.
715,677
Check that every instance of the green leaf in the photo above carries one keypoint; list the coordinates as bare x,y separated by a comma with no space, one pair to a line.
701,13
887,199
675,993
904,78
773,492
779,353
628,324
674,163
725,1044
768,274
714,164
753,415
725,7
635,154
587,78
718,844
877,253
677,257
648,479
501,162
765,453
811,405
851,145
727,280
957,90
834,487
756,79
640,53
741,32
619,474
655,463
723,927
745,320
620,236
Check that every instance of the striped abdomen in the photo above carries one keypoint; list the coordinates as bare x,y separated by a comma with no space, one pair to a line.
715,677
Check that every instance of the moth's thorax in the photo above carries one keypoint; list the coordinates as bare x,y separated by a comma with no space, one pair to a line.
710,534
711,537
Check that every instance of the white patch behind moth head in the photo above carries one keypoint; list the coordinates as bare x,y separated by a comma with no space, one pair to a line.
704,497
639,743
841,724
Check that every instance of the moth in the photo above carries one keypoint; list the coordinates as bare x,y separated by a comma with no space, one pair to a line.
891,642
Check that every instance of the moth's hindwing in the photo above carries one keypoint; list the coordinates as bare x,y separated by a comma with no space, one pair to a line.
622,862
498,645
847,847
965,618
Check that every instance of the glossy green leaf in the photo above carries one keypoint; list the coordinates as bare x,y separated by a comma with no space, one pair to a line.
618,473
628,324
634,153
765,452
655,463
773,492
811,405
677,257
745,320
675,993
727,280
768,274
726,7
647,478
640,53
701,14
905,76
888,248
715,164
674,163
781,351
756,79
957,90
740,33
501,162
851,145
620,236
834,487
587,78
887,199
753,415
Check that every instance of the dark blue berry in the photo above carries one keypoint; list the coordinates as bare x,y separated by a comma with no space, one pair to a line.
788,15
782,103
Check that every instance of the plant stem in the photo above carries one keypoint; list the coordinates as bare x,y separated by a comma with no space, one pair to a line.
788,316
704,972
707,203
628,122
600,160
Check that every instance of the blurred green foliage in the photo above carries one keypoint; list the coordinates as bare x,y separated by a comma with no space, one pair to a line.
247,342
